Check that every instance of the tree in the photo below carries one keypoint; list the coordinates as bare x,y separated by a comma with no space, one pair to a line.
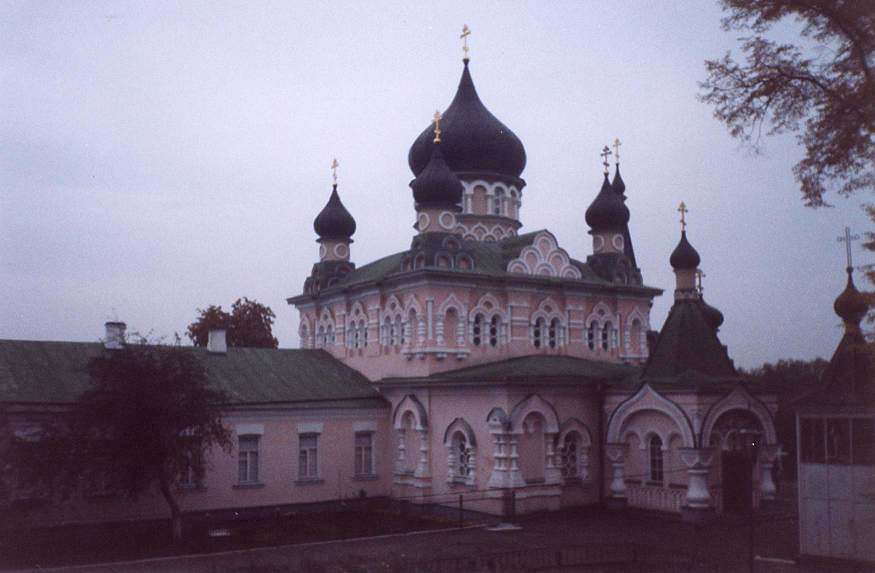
825,94
148,418
248,324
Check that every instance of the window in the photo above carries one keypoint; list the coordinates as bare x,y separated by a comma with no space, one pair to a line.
493,331
538,333
461,454
553,333
247,459
364,331
812,436
569,452
308,465
364,453
656,461
606,332
477,330
838,441
591,334
399,327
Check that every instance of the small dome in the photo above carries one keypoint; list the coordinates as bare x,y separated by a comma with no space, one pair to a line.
684,255
618,185
436,185
473,139
713,316
607,210
851,305
334,221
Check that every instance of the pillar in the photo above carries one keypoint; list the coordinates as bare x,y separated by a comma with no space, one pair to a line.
616,454
768,454
699,505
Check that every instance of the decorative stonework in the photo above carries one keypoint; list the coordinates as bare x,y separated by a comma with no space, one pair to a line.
544,257
649,399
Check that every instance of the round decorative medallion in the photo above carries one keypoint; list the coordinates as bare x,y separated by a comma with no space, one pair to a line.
423,221
618,242
341,250
447,220
598,243
322,251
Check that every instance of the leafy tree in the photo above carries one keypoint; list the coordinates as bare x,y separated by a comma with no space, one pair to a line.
148,418
248,325
826,94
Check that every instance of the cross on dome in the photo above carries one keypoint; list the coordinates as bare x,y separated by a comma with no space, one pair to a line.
437,126
334,166
617,145
847,238
699,275
683,211
606,152
465,33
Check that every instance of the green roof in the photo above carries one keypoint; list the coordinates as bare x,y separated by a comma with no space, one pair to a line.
688,349
531,370
57,373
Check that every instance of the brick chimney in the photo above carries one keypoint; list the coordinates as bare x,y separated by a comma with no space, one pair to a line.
115,335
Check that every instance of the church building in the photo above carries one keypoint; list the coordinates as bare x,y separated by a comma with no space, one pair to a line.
478,361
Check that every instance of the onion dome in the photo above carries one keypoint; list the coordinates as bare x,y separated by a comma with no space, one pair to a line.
607,210
618,185
713,316
684,255
851,305
436,185
474,140
334,221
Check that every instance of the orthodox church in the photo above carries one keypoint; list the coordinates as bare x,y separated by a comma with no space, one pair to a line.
511,365
476,361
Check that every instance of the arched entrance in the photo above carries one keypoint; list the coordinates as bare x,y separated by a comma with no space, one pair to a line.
737,435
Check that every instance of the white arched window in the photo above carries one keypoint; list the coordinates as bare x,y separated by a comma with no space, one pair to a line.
592,334
462,453
493,330
656,460
364,330
477,330
606,334
569,452
553,333
320,337
399,329
498,203
539,332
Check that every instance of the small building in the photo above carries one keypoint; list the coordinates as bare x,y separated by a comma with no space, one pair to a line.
835,429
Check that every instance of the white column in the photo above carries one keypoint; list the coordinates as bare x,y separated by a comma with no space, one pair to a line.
768,455
552,473
401,462
616,454
698,461
439,330
515,477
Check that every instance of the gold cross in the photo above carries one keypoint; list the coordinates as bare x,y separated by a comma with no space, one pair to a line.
437,126
334,166
847,239
683,211
605,153
699,275
465,33
617,150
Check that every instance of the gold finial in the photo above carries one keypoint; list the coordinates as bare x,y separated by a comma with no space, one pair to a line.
334,166
605,154
437,126
683,211
465,33
617,145
847,238
699,275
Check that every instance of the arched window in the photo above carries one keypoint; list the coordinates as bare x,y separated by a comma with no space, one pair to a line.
331,338
364,330
569,451
399,329
356,340
305,336
538,332
635,336
320,337
498,203
553,339
493,331
606,333
477,330
393,333
656,461
462,457
591,334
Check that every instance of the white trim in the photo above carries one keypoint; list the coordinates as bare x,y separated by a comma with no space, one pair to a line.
367,426
249,429
310,427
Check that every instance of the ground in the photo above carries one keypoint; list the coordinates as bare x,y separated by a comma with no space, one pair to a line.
585,539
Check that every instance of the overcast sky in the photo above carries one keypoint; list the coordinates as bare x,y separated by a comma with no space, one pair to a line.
160,157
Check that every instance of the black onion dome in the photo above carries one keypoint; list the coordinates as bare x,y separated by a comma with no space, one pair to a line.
436,185
473,140
713,316
617,184
851,305
684,255
334,221
607,210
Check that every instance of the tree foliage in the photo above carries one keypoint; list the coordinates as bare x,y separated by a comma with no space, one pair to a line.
823,92
148,418
249,324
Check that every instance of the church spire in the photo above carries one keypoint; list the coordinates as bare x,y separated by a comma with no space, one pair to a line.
685,261
334,225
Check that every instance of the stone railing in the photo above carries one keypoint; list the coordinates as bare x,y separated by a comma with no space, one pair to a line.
655,497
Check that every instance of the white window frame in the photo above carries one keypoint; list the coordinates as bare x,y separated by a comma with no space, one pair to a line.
308,457
248,459
364,455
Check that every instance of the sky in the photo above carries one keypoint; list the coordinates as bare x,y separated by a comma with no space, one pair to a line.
159,157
